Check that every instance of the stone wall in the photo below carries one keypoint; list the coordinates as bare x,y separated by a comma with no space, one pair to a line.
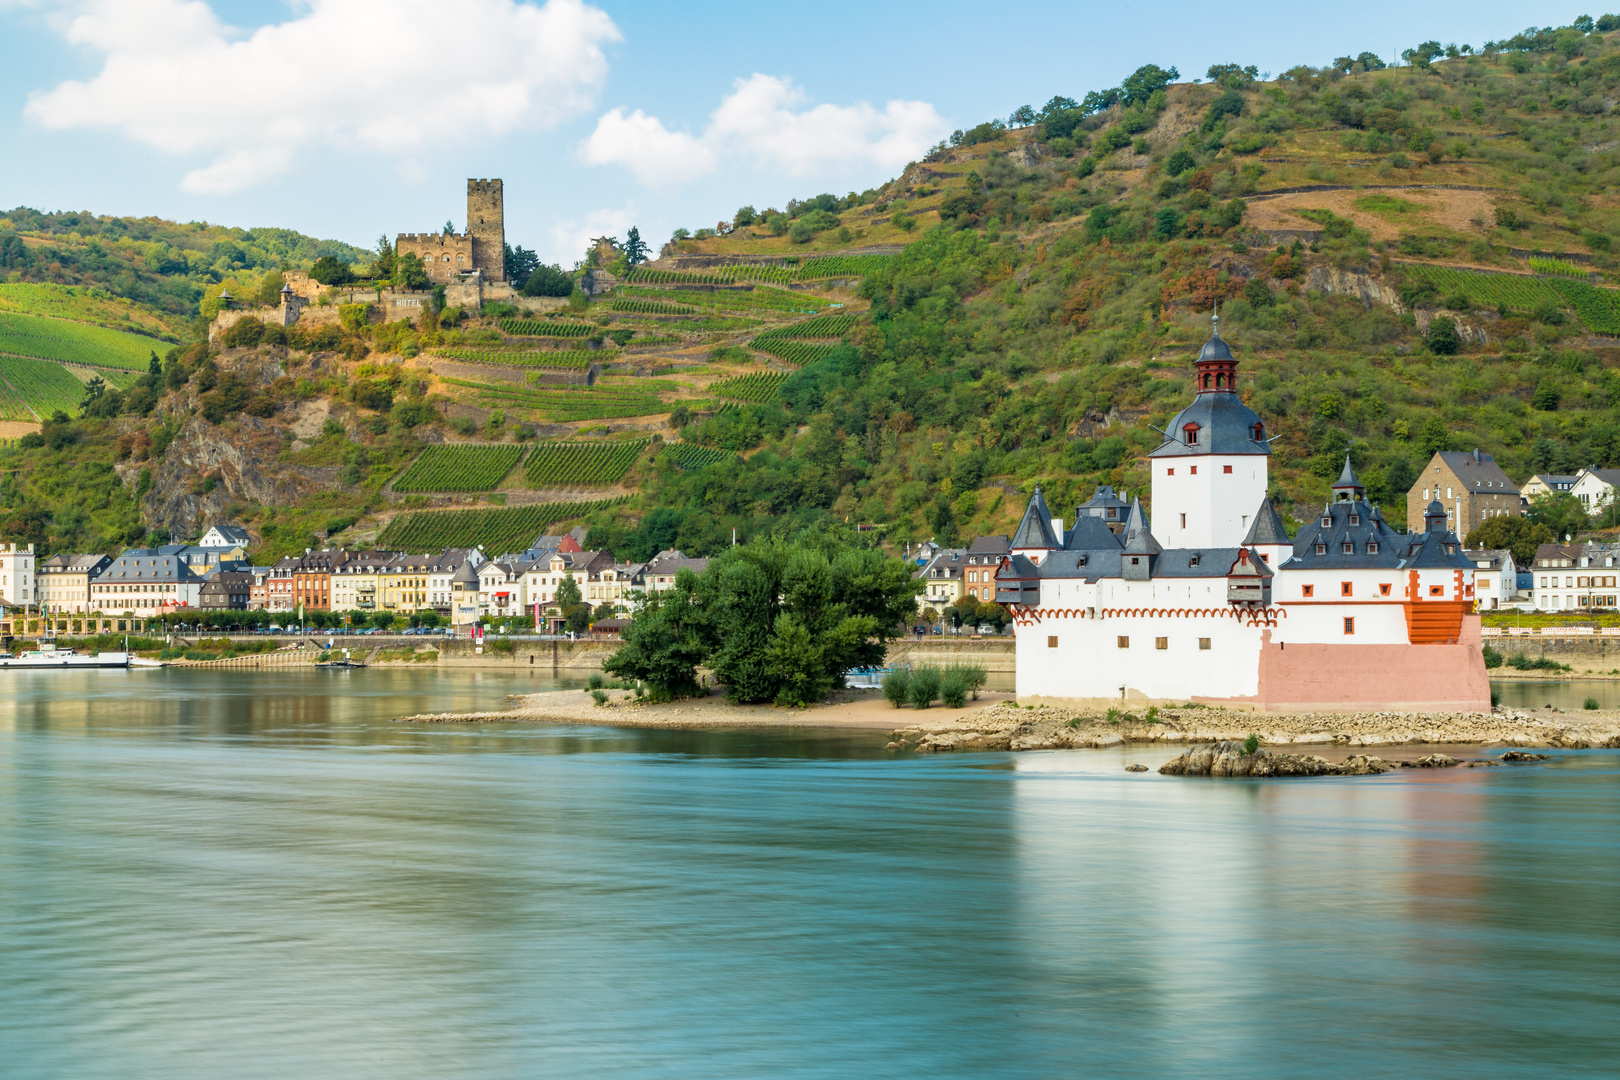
446,256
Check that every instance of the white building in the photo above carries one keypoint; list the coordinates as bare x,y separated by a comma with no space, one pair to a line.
1496,578
1216,603
18,586
1576,577
1595,488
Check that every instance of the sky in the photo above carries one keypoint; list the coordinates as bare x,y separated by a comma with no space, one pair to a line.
351,119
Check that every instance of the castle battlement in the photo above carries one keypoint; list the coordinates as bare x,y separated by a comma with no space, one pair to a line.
482,248
430,238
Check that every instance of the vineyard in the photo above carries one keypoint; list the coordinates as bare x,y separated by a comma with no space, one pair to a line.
650,307
75,343
578,359
30,387
841,266
822,326
755,386
459,468
548,328
85,305
692,456
822,267
1561,267
1598,308
567,405
568,464
757,299
497,529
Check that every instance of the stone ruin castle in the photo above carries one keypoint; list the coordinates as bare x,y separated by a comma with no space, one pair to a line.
453,258
470,265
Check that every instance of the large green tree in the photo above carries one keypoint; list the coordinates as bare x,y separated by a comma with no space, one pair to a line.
1519,535
666,641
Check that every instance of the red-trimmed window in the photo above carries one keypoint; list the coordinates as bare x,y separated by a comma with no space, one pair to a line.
1349,625
1226,468
1310,590
1437,590
1189,434
1345,588
1383,590
1193,469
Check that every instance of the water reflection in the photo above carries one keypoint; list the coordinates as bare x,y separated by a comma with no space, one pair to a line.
213,878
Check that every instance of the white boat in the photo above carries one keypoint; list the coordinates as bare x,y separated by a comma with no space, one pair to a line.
49,656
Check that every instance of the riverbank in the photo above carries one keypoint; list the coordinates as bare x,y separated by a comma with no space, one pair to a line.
996,722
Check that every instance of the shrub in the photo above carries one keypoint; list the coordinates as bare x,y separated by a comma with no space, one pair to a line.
595,682
1590,703
954,687
924,686
897,687
599,696
1251,744
1493,659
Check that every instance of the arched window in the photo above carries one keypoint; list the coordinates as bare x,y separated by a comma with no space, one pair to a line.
1206,381
1259,433
1190,434
1220,382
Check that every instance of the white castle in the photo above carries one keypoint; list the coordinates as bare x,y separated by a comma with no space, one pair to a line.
1215,604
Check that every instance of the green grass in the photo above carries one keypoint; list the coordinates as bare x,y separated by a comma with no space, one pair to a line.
75,343
33,387
1387,205
499,529
459,468
755,386
568,463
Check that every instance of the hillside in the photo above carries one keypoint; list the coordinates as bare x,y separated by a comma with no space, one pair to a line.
1405,259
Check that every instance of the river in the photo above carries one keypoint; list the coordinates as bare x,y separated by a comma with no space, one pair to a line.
210,874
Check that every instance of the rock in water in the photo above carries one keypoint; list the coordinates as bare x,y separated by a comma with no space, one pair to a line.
1136,768
1522,755
1482,763
1365,765
1430,761
1228,759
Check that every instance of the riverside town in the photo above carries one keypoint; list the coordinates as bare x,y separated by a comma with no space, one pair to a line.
565,537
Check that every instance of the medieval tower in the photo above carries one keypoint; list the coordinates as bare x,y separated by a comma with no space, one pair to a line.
486,225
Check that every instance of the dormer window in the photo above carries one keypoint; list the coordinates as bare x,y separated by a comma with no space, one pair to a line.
1348,548
1321,549
1190,433
1355,519
1192,561
1372,547
1327,522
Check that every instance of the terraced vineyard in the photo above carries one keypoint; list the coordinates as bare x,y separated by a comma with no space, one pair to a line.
578,359
756,299
77,303
841,266
569,404
459,468
824,266
1561,267
692,456
822,326
755,386
650,307
548,328
75,343
569,464
1598,308
34,388
496,529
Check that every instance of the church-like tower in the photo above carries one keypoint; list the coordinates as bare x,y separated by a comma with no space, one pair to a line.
1210,473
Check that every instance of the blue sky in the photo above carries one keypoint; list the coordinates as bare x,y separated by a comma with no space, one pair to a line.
353,118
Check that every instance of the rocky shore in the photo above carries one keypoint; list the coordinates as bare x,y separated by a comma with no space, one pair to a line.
999,723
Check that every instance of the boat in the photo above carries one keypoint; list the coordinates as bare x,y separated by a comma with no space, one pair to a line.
49,656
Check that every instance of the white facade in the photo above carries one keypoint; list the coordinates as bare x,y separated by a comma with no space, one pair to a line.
1207,501
18,586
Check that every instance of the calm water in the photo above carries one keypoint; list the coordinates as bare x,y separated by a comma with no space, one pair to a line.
212,874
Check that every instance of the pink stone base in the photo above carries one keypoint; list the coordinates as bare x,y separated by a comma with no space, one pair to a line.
1369,678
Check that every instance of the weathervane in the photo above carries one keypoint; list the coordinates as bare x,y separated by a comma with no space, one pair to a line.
1215,317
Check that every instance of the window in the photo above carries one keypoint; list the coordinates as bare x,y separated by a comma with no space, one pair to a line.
1327,522
1203,644
1161,643
1437,590
1193,469
1321,549
1372,547
1226,468
1347,548
1123,642
1345,588
1309,590
1169,472
1383,590
1349,626
1051,642
1192,560
1190,433
1355,519
1183,521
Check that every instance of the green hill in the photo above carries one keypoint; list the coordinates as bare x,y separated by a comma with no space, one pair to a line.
1405,260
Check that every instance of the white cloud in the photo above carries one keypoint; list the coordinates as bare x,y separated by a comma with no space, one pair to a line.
759,120
571,239
396,77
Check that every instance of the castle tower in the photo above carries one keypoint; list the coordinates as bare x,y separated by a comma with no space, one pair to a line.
1210,472
486,224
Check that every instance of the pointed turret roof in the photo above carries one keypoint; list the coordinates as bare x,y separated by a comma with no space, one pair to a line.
1035,531
1267,528
1348,488
1138,537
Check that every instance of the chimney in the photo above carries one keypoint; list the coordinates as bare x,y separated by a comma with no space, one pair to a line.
1476,455
1057,529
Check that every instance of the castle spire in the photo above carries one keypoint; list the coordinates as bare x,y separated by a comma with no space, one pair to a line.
1348,488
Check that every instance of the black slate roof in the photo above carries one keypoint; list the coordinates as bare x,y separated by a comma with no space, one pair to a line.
1267,528
1090,534
1035,531
1225,426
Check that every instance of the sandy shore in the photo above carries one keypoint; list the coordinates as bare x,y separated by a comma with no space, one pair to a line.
996,722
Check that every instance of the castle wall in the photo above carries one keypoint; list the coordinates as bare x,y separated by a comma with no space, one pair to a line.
1197,503
445,256
486,225
1365,678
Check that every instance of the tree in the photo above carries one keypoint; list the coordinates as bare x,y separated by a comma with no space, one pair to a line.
1434,437
549,280
92,390
1023,116
1547,395
449,228
329,271
410,272
787,619
1179,162
1236,77
568,593
666,642
520,263
605,610
154,366
383,268
1519,535
1141,84
635,249
577,618
1561,512
1443,339
744,216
